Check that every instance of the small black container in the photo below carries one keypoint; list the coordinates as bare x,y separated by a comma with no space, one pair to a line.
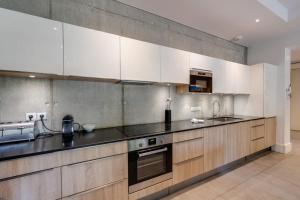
68,128
168,116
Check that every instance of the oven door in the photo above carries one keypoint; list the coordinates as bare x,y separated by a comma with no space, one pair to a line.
149,163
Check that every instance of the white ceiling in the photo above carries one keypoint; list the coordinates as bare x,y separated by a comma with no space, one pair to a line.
230,18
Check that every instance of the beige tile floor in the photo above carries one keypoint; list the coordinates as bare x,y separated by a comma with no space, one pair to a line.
272,177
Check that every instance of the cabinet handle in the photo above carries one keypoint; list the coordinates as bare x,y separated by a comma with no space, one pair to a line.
153,152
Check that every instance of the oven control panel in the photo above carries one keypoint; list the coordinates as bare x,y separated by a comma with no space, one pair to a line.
149,142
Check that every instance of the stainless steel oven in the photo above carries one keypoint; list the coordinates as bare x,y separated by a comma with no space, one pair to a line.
149,161
201,81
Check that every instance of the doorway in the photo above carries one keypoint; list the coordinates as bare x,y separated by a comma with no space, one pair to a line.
295,98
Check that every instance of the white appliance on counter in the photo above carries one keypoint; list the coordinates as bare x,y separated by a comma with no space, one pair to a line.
262,100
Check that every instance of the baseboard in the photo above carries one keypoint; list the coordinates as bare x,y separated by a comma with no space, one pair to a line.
282,148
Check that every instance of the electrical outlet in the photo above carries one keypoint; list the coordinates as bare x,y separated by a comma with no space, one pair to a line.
195,109
38,115
30,116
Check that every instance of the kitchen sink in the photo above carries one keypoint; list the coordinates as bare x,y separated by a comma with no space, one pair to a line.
225,119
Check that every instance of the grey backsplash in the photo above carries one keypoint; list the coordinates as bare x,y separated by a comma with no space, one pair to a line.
100,103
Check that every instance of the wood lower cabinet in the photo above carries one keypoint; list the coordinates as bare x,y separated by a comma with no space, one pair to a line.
187,150
44,185
21,166
237,141
115,191
258,132
214,147
257,142
270,134
150,190
188,135
88,175
92,153
257,145
188,169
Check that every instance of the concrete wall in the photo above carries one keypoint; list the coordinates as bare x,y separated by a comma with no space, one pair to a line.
115,17
105,104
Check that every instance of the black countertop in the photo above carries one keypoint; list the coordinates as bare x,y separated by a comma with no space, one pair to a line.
103,136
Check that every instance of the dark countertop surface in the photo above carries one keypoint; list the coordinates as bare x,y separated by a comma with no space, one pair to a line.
103,136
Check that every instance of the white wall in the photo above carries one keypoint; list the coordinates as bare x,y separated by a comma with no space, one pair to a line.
277,52
295,100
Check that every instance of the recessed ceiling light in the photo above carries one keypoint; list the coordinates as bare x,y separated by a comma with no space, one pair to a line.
257,20
31,76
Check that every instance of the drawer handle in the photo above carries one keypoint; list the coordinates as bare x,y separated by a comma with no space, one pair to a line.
258,125
153,152
257,138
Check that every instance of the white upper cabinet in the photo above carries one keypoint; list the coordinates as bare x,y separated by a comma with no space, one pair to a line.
140,61
243,79
30,44
237,78
91,53
262,100
228,77
198,61
270,90
174,66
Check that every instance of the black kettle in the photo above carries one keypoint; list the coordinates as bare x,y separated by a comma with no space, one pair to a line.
68,128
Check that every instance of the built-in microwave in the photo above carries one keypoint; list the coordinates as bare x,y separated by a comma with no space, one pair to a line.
201,81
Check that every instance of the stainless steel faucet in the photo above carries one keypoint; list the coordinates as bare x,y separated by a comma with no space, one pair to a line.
219,108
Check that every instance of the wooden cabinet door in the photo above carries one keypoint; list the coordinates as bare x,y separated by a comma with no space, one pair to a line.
237,141
116,191
44,185
85,176
214,147
188,169
91,53
187,150
270,135
257,145
174,66
140,61
30,44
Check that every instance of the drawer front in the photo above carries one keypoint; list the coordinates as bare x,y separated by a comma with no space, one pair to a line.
150,190
187,150
27,165
257,132
257,145
258,122
94,152
45,185
88,175
188,169
115,191
188,135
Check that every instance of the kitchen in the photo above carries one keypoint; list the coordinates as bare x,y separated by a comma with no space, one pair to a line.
156,115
